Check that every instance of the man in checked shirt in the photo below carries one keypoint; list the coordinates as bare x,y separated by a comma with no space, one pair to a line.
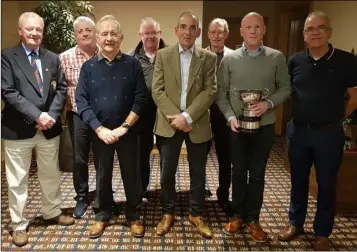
72,61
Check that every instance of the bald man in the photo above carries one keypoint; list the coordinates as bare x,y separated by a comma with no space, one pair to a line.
253,66
34,92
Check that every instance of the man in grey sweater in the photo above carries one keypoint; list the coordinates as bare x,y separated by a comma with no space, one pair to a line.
253,66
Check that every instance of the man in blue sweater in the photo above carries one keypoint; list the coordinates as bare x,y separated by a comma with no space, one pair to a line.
110,94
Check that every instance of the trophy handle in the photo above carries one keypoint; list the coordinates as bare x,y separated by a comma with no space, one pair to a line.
265,93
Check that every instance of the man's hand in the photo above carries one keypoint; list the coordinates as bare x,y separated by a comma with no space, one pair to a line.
179,122
119,132
260,108
44,121
106,135
234,125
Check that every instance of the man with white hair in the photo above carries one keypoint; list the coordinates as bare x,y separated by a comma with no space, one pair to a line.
110,95
217,34
80,133
34,91
145,52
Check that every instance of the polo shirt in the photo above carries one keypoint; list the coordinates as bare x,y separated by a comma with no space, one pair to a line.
319,86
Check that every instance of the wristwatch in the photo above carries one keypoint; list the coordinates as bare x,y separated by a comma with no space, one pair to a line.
126,125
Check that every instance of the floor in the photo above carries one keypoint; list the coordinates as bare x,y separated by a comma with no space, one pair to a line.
183,235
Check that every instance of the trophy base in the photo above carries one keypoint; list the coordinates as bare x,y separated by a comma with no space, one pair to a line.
248,130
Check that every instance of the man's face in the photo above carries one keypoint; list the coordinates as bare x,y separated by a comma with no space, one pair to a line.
84,34
150,36
317,32
252,30
31,32
108,37
187,31
217,35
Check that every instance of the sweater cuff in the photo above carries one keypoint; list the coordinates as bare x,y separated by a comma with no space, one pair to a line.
95,123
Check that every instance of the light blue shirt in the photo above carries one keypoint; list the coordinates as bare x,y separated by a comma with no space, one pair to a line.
185,62
38,61
257,52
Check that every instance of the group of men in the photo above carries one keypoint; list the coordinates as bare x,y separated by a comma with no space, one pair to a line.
117,102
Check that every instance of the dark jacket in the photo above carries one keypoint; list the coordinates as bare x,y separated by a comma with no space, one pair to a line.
105,94
147,119
22,97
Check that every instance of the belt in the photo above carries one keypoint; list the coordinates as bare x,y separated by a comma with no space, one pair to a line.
315,126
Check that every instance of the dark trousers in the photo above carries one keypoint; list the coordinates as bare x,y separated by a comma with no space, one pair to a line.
81,137
126,149
146,142
221,133
324,149
170,148
250,153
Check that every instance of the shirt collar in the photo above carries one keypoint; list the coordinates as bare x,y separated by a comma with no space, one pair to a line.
221,51
80,51
327,56
101,56
28,51
182,50
256,53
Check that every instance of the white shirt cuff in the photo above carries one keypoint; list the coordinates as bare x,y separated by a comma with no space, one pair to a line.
188,117
272,104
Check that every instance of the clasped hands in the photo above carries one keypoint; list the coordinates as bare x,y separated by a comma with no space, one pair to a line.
179,122
44,121
110,136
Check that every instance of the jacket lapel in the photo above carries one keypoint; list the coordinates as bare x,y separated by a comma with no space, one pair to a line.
195,66
24,64
45,64
175,63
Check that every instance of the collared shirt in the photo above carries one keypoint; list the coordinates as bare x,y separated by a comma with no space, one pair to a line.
101,56
38,61
220,54
257,52
71,63
319,86
185,62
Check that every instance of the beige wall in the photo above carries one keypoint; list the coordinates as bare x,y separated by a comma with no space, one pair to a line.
343,17
9,15
130,13
230,9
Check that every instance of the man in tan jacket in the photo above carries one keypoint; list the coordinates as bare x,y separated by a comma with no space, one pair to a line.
183,89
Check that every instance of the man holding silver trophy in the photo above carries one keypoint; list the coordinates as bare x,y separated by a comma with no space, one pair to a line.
252,81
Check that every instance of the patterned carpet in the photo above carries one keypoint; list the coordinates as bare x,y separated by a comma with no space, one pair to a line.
183,235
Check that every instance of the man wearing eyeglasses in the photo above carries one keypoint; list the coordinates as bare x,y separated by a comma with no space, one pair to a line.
217,34
145,52
320,76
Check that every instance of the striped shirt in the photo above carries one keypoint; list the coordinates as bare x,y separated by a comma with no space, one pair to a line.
71,63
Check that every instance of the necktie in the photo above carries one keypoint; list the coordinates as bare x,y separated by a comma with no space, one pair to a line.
36,71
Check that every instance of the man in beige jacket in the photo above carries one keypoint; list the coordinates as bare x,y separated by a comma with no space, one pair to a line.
183,89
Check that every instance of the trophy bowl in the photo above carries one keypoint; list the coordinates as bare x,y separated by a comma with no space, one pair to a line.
253,95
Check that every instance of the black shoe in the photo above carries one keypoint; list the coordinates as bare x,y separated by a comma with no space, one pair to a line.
80,209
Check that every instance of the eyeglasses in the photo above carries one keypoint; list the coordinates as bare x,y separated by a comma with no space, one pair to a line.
148,35
321,28
216,33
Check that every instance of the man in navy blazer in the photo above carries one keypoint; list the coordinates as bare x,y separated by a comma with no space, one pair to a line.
34,92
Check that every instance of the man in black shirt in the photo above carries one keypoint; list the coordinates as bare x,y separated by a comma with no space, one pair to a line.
110,95
320,77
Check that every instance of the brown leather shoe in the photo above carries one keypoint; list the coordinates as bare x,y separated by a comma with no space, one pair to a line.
20,238
137,229
232,227
321,244
257,232
289,233
201,225
62,220
97,229
165,224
